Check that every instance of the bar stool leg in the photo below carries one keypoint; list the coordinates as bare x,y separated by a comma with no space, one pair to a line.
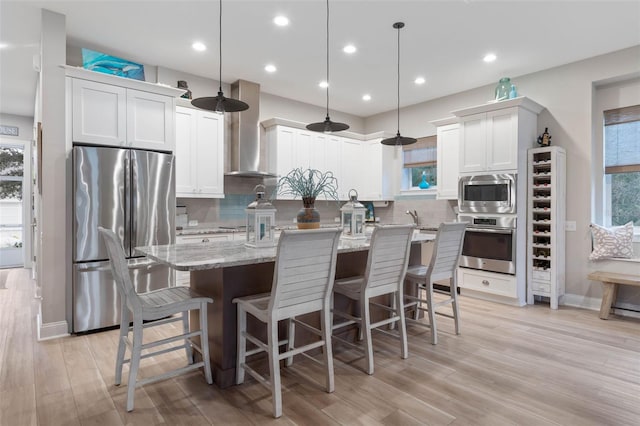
242,344
274,369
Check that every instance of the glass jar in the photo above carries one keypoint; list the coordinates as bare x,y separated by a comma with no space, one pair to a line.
503,88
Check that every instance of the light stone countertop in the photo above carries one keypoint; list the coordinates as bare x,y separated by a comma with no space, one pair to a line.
220,254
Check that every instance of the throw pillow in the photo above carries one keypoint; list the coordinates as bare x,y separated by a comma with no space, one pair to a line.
612,242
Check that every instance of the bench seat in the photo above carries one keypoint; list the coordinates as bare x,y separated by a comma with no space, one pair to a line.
610,282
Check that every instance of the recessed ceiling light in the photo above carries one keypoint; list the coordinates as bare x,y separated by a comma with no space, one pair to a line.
419,80
366,97
3,45
270,68
489,57
349,48
281,21
323,84
200,47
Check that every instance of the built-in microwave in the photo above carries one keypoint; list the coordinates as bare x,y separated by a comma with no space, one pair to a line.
495,193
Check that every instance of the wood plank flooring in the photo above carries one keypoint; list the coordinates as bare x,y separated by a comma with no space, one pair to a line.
525,366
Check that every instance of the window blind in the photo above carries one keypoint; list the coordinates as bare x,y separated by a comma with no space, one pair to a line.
622,140
422,153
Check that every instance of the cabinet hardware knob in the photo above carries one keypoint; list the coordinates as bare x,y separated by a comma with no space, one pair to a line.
485,282
205,240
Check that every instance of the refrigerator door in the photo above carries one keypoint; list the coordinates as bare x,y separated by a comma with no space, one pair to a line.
99,199
95,296
153,199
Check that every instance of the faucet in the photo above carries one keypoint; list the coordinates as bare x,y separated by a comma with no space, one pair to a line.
414,215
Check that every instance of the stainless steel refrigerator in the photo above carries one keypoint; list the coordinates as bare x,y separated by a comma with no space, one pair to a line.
131,192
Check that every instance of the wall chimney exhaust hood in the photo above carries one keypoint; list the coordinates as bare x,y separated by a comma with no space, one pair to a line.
247,157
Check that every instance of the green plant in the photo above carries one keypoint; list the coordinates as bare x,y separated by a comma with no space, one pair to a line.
308,184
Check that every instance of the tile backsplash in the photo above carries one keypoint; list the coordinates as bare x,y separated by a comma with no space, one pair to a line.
239,192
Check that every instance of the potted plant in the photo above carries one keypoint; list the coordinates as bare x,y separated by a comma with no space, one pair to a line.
308,184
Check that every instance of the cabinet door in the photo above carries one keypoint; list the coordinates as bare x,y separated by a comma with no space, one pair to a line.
150,121
318,152
332,157
448,161
210,154
303,146
473,143
502,140
370,188
99,113
186,173
285,158
351,167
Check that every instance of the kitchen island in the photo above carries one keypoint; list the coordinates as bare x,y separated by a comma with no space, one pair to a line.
225,270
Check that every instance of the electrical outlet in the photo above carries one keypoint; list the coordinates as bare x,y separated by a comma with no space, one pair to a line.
570,225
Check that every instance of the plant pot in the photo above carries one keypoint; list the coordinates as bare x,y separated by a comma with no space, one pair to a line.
308,217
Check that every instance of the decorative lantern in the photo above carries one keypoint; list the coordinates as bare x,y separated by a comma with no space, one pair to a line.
352,217
261,218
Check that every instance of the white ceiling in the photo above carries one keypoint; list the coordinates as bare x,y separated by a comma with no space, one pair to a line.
444,41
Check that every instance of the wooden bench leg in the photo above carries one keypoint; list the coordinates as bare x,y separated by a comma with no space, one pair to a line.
609,292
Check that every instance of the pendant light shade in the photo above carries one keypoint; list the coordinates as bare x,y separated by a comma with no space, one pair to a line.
398,139
220,103
327,126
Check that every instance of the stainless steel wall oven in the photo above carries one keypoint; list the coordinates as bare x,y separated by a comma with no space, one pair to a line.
489,243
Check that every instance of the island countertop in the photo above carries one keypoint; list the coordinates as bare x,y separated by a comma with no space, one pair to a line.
220,254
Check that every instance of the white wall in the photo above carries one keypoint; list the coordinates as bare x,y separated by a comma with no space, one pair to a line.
567,94
24,125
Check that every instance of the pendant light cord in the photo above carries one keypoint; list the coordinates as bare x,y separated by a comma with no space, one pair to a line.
398,97
220,50
327,58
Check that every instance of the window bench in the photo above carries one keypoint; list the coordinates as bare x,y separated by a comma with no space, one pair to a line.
610,282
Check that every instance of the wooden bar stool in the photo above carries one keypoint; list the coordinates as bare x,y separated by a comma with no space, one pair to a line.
303,277
443,265
153,306
384,275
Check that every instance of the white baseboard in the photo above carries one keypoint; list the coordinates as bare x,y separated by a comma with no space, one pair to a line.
579,301
51,330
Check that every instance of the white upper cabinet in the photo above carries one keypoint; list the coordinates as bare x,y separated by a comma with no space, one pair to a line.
115,111
99,113
495,137
448,152
150,121
199,154
366,166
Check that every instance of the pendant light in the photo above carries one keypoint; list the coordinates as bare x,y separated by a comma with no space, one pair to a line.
220,103
397,139
327,126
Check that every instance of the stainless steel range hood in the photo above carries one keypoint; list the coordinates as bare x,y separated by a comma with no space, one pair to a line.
247,157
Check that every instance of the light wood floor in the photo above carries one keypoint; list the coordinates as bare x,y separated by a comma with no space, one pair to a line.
527,366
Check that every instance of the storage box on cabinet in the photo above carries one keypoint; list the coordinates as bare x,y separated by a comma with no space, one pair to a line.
199,154
106,114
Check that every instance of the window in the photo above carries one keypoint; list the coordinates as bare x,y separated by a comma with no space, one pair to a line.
420,162
622,166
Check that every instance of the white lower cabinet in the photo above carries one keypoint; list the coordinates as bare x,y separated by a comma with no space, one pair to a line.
488,282
183,277
199,154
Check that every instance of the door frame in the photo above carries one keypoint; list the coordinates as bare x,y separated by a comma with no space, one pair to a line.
27,185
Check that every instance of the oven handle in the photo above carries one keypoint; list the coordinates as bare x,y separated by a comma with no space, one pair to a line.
492,230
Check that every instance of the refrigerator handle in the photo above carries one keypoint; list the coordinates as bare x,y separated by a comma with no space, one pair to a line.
129,202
